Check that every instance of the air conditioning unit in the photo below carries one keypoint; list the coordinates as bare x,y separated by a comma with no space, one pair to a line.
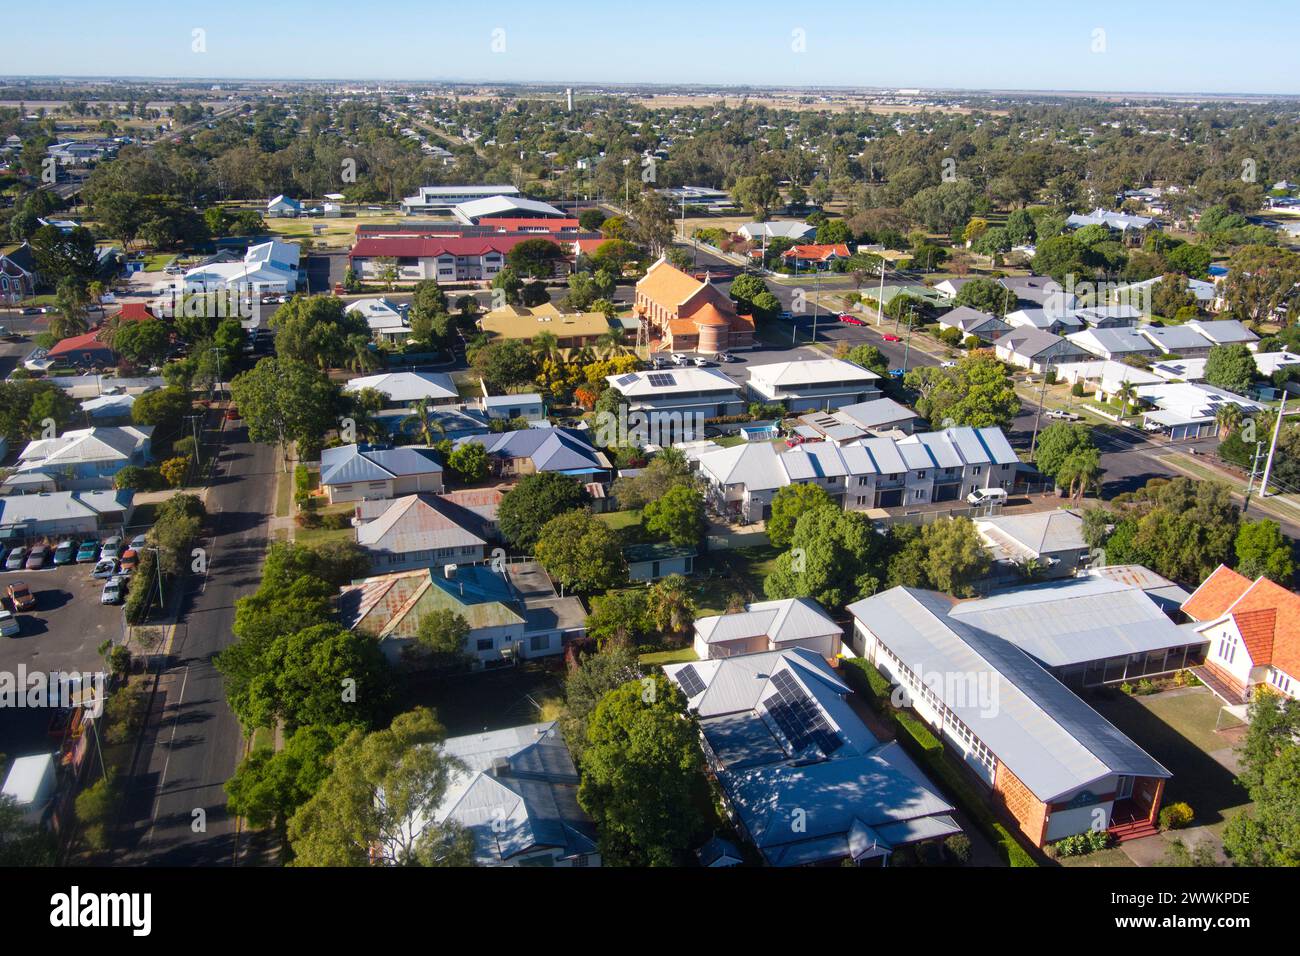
449,571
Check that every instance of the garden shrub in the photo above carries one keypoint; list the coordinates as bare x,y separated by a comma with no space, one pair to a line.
1175,816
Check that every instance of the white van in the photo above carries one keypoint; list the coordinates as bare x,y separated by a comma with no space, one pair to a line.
985,496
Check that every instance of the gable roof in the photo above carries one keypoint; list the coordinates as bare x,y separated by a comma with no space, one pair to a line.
1049,738
349,463
1021,536
667,285
787,620
407,386
783,735
1266,614
517,792
550,449
420,522
85,445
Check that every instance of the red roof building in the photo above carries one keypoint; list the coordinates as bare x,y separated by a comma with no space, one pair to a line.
1253,630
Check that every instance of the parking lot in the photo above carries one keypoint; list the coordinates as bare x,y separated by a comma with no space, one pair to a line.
62,633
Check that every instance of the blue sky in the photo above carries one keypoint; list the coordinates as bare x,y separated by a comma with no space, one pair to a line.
1190,46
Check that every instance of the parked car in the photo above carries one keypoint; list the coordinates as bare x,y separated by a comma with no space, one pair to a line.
679,358
851,319
17,558
65,553
1060,414
37,557
891,337
948,364
104,569
89,551
112,547
794,440
9,626
701,362
725,357
129,561
896,373
114,591
137,543
787,315
984,496
20,595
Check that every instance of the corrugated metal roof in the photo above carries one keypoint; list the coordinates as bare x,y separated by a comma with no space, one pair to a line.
1050,739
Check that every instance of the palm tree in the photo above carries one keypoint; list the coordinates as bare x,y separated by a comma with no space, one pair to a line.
1080,471
545,345
361,357
610,343
424,422
1228,418
1127,392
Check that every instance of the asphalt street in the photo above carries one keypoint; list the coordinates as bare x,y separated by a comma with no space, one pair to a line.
193,742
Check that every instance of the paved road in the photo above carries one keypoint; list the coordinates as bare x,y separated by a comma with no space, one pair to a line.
193,742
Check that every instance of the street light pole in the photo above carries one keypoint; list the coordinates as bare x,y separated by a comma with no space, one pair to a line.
1038,415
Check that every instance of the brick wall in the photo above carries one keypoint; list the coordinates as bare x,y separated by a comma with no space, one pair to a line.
1020,802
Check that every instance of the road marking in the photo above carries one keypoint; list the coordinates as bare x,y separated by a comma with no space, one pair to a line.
162,780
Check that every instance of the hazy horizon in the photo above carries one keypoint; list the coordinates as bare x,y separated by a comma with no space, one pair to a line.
1110,48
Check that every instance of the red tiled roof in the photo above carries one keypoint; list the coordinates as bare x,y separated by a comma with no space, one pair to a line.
818,252
419,247
135,312
1266,614
1216,594
89,342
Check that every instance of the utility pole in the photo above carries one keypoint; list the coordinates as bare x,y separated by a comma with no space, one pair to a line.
907,346
1254,468
1038,415
1268,465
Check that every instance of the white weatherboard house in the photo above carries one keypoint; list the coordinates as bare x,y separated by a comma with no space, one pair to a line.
266,267
87,457
283,206
768,626
517,795
359,472
861,475
813,385
1113,344
779,734
1253,630
386,319
420,531
1036,349
1049,760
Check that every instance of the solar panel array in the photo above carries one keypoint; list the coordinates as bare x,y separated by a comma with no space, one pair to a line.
689,681
661,379
626,379
799,718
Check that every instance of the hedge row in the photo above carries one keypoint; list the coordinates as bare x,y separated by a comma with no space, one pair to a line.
917,739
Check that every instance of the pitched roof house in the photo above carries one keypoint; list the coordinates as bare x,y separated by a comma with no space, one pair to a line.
87,457
1051,761
768,626
517,795
532,450
357,472
1253,629
425,530
780,737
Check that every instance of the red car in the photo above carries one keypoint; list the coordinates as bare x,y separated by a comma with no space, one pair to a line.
794,440
891,338
851,319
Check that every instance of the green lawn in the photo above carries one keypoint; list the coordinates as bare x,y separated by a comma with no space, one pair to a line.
1111,857
719,574
1177,728
283,494
679,656
317,536
618,520
487,700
